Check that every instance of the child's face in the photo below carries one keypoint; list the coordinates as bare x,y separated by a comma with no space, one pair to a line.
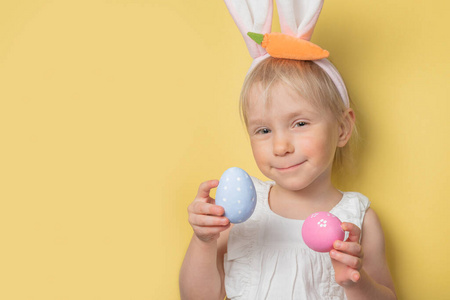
293,142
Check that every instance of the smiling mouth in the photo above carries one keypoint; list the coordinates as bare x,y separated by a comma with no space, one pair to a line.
289,168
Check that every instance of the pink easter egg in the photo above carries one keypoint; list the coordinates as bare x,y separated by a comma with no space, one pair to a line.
320,230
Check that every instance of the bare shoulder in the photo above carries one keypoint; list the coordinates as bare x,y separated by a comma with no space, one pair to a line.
373,243
372,226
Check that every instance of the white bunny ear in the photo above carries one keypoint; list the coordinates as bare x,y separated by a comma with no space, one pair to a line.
253,16
299,17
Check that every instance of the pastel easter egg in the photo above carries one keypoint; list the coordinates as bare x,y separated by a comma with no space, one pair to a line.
320,230
236,194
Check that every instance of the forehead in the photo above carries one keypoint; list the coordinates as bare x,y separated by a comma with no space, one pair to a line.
280,99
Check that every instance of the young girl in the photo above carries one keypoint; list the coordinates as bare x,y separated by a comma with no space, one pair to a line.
299,123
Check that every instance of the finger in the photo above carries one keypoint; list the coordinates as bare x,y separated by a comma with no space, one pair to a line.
354,231
351,261
205,188
201,208
355,276
204,220
351,248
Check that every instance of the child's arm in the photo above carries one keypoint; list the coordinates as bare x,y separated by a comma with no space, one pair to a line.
202,274
362,269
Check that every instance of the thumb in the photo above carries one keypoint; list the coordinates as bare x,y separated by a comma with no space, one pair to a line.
204,190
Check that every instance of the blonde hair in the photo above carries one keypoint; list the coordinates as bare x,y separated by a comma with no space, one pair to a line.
311,83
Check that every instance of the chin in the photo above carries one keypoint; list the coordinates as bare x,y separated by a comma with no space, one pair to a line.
293,184
294,187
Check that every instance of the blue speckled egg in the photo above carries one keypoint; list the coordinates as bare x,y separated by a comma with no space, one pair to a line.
236,194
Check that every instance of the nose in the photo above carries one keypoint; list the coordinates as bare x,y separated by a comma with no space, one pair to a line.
282,145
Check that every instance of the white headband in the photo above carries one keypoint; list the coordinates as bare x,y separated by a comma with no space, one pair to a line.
297,19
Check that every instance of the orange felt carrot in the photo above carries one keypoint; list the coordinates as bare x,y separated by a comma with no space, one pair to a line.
285,46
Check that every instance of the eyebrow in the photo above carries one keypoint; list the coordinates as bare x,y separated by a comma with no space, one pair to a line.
289,116
254,121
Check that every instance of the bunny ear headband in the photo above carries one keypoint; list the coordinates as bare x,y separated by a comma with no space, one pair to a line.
297,19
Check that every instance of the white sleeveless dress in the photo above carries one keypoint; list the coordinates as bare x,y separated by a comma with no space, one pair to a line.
267,258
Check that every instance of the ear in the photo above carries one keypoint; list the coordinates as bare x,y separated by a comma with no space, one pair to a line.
346,127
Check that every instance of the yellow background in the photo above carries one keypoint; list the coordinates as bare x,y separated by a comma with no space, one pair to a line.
112,112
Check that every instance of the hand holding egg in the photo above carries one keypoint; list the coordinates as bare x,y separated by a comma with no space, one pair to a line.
204,216
320,230
236,194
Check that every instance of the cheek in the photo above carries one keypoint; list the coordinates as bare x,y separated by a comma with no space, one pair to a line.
316,146
310,144
258,152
